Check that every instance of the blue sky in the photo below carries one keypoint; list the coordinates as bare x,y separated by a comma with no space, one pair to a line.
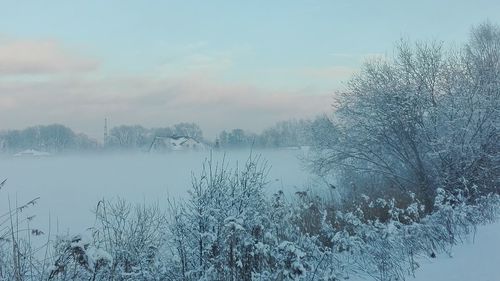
162,62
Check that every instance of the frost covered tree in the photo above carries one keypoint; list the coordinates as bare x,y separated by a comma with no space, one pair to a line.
236,138
422,120
289,133
191,130
129,137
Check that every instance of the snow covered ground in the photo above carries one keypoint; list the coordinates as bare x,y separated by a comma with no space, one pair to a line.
477,260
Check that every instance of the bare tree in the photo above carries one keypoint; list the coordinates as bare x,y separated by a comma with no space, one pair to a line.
419,121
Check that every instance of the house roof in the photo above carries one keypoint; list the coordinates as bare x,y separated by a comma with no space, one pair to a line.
175,137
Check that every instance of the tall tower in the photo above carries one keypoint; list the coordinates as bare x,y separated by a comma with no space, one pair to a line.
105,140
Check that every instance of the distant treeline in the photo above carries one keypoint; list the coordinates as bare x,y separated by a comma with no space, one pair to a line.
53,138
291,133
59,138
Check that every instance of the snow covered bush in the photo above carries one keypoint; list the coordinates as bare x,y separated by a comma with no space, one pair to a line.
77,259
134,236
127,244
378,240
223,232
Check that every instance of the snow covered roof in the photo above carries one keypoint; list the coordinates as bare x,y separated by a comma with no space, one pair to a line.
177,143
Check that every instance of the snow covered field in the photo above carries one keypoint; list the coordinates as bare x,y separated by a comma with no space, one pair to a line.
69,187
477,260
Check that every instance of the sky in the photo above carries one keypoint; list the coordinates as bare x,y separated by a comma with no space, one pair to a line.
221,64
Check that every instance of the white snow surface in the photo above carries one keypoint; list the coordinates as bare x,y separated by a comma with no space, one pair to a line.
477,259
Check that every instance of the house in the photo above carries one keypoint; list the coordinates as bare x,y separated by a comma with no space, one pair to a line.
175,143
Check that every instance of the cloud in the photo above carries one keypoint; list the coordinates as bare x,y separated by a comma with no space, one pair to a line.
31,57
215,105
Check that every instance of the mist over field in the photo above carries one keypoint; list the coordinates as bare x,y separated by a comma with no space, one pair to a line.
70,186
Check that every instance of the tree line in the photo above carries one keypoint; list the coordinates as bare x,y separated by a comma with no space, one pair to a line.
50,138
60,138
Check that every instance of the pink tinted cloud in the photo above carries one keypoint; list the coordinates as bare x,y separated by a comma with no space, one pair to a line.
19,57
215,105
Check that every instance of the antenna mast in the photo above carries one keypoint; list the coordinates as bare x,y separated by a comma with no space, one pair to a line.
105,141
